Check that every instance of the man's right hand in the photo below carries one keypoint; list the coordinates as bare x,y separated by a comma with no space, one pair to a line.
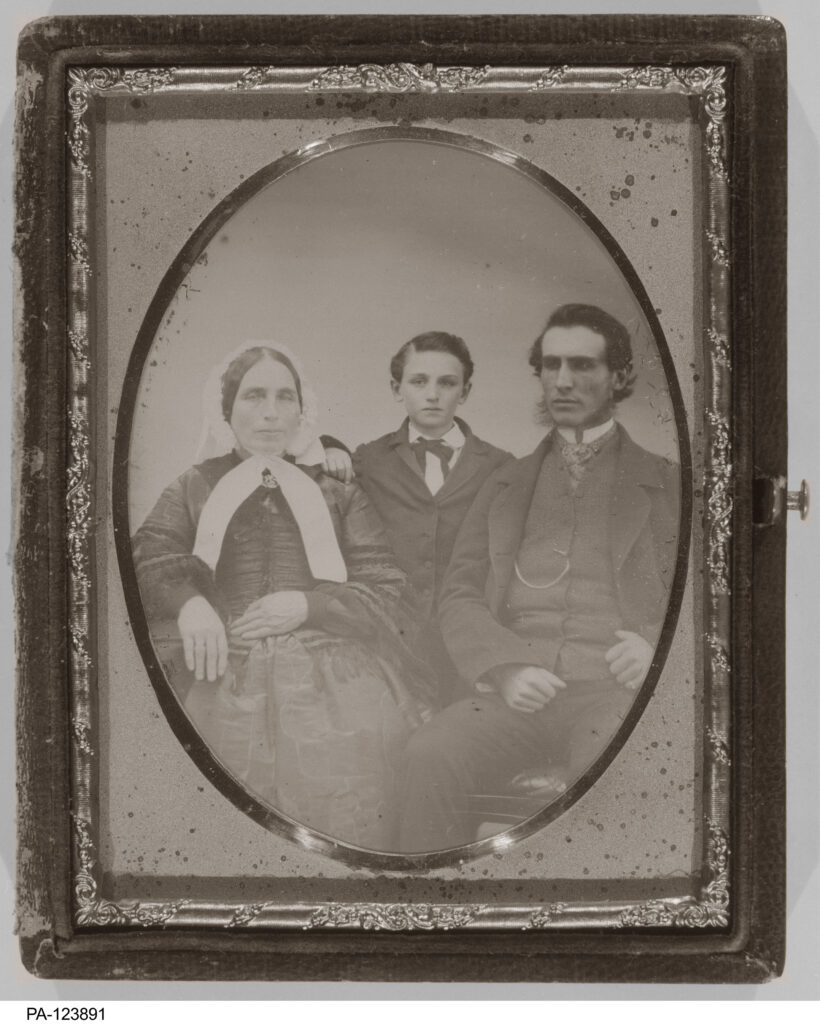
203,639
527,687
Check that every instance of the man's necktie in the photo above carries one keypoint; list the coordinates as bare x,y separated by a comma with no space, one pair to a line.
576,456
440,449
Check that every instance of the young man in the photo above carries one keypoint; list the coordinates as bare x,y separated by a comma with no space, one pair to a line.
556,593
423,477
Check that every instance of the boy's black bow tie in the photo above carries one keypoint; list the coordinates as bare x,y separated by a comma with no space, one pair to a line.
437,447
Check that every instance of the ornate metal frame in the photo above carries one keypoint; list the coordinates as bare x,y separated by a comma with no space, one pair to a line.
711,907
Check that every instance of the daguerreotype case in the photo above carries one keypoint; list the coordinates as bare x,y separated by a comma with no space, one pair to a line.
509,704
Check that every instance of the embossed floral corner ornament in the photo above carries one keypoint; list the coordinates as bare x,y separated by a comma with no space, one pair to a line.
93,910
84,82
711,910
709,82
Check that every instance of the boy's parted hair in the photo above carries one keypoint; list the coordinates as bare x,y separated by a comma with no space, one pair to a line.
433,341
617,343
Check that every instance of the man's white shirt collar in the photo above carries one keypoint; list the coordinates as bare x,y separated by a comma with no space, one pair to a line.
590,435
454,436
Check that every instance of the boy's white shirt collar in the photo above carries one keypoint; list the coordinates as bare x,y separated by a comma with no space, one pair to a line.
589,435
454,436
433,473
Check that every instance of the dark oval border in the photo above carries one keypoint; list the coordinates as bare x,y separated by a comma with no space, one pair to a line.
181,725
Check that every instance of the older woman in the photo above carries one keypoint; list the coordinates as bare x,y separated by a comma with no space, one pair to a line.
276,609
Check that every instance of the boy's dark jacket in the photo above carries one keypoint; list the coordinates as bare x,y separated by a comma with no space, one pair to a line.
422,526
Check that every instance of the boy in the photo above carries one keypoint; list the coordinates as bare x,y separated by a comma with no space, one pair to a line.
423,477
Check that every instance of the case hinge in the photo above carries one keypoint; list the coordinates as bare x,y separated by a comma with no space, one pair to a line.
771,499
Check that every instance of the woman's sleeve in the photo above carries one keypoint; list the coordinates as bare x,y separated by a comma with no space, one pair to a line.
167,572
372,597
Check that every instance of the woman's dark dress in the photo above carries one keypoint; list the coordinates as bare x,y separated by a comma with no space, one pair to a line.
312,723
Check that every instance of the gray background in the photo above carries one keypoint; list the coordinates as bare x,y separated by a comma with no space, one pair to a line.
801,977
350,255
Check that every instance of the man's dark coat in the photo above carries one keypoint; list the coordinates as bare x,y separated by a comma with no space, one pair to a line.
644,526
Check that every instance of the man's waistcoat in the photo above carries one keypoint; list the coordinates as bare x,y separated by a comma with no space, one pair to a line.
562,596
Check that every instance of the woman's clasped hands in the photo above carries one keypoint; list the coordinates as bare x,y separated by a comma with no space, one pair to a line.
271,615
205,641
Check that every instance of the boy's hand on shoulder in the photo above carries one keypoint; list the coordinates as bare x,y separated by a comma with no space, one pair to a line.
338,464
